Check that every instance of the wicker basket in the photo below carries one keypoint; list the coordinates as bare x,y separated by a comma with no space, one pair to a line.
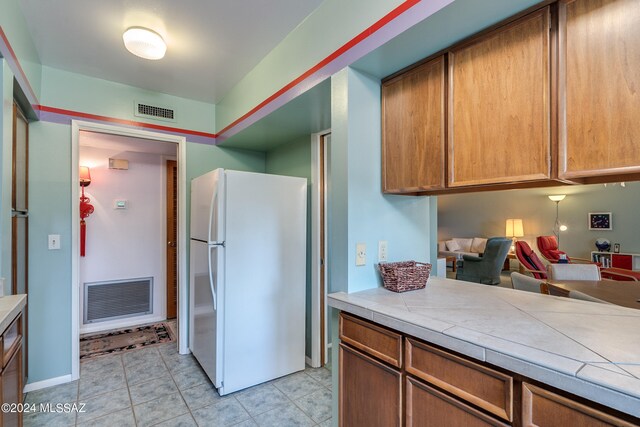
404,276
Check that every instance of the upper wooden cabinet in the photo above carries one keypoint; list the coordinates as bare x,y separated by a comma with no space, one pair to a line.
499,105
413,129
602,83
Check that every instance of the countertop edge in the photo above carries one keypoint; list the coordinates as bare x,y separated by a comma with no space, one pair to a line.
566,377
10,306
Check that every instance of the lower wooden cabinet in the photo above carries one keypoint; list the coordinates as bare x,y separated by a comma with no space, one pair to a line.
432,387
11,372
370,391
11,380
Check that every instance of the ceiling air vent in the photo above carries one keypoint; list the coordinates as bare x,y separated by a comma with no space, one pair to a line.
154,112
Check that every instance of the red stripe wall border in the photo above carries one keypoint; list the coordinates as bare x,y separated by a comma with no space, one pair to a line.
389,17
341,50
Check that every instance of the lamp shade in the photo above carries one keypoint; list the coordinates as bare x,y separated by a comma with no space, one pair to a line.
144,43
514,228
557,197
85,176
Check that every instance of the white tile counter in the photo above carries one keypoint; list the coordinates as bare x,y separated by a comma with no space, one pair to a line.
10,306
588,349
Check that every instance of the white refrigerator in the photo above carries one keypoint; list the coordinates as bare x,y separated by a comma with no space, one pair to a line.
247,276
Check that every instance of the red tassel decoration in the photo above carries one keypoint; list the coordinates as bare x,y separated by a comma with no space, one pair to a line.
83,235
86,209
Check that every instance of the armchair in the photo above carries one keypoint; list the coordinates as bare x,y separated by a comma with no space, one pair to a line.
530,260
548,247
485,269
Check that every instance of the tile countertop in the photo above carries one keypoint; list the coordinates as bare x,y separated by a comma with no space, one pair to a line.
10,306
588,349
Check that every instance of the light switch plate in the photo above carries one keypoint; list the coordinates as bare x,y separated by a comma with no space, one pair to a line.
54,242
361,254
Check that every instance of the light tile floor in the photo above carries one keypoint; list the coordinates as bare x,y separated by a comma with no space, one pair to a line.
157,386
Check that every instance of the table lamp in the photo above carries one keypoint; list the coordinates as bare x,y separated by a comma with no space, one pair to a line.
514,229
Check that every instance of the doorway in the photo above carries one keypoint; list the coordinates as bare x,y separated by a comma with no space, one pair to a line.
320,339
116,203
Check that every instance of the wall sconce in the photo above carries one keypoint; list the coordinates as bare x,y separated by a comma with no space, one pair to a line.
514,229
86,208
557,227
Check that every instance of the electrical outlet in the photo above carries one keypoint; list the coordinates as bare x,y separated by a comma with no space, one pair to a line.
361,254
54,241
382,251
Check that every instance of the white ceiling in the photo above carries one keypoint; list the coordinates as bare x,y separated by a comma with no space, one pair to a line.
212,44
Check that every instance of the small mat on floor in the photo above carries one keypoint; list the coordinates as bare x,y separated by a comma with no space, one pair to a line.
125,339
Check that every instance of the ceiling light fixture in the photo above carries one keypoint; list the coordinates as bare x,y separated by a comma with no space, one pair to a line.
144,43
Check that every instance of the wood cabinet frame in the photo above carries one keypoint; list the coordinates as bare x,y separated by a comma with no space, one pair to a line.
542,19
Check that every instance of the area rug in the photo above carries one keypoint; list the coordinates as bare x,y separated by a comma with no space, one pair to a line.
95,345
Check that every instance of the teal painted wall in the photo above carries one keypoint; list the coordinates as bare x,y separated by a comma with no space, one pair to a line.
71,91
294,159
403,221
49,271
15,28
6,130
330,26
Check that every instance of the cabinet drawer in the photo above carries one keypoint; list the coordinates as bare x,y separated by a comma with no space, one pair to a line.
428,407
484,387
372,339
11,339
541,407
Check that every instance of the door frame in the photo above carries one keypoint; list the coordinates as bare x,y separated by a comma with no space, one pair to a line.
318,301
165,161
183,306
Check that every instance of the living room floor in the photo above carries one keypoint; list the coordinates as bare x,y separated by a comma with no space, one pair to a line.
158,386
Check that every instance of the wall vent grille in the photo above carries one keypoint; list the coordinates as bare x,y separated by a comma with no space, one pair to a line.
117,299
154,112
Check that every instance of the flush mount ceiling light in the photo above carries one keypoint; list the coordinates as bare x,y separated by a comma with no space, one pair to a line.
144,43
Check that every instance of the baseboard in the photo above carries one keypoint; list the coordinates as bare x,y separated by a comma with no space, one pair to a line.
309,362
47,383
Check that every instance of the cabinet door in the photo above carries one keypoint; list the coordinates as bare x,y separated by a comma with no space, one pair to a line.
427,407
370,392
12,389
413,129
602,131
499,105
543,408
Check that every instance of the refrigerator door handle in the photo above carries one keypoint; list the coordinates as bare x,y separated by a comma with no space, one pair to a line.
211,283
212,206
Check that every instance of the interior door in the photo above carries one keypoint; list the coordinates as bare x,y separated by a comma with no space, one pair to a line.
172,238
20,213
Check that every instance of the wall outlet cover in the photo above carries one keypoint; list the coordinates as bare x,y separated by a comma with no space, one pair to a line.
361,254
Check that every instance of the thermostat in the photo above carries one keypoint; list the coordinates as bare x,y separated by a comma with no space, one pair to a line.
120,204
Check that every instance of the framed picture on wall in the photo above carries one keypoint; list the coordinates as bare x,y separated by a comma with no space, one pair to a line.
600,221
616,248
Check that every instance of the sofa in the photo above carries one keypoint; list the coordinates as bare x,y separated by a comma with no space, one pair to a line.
459,246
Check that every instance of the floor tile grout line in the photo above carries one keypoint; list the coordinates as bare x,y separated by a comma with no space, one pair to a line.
165,358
